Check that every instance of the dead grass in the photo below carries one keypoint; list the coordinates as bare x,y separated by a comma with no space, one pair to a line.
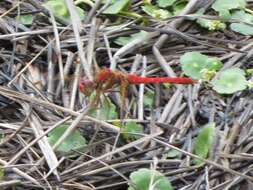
36,96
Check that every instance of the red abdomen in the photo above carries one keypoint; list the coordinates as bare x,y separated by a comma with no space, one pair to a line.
134,79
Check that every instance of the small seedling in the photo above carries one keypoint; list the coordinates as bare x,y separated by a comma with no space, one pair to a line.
211,25
199,66
146,179
204,142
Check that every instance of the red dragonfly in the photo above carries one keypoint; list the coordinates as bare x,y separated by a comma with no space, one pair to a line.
106,79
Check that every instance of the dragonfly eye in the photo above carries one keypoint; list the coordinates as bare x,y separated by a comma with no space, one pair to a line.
86,87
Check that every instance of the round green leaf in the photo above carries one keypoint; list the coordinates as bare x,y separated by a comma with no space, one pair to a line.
142,179
230,81
192,63
242,16
74,141
242,28
224,6
227,5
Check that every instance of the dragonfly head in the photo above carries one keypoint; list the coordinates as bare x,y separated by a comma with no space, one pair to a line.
86,87
104,74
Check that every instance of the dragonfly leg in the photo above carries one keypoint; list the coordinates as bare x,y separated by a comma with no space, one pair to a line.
123,92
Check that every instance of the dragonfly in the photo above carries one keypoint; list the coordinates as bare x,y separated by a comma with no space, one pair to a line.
107,79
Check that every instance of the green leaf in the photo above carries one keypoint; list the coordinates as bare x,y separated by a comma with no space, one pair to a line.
172,153
131,127
134,15
142,180
242,16
142,35
204,142
242,28
1,138
228,5
211,25
88,2
224,6
116,7
230,81
167,85
59,9
106,111
1,173
25,19
155,12
213,63
80,13
165,3
208,24
179,6
193,64
148,99
75,141
250,84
